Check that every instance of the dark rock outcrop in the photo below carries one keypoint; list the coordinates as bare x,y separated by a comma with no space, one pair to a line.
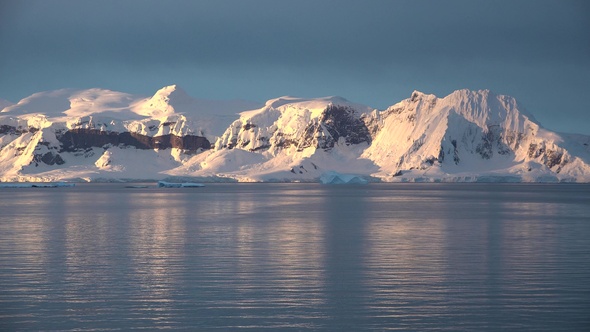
10,130
336,122
76,139
48,158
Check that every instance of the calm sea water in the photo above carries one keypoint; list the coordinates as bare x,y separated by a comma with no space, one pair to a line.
256,257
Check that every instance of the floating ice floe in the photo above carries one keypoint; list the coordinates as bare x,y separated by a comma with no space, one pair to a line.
35,184
338,178
164,184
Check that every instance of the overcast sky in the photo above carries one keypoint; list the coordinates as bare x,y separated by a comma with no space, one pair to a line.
371,52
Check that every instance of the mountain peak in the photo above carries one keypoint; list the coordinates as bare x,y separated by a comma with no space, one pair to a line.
485,104
166,101
417,96
467,93
172,93
315,105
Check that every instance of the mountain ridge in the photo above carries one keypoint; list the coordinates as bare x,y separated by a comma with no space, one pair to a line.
87,135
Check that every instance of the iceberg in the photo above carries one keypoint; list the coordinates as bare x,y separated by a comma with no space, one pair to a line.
333,177
164,184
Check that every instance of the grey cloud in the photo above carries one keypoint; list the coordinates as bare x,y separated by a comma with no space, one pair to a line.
300,33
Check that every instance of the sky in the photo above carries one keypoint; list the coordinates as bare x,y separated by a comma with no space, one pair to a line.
374,52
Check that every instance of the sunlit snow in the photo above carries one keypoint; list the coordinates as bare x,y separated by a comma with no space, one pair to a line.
466,136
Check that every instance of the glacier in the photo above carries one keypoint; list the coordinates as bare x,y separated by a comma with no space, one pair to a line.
103,135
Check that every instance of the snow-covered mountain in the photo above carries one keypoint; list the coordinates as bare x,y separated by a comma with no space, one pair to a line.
100,134
473,134
96,133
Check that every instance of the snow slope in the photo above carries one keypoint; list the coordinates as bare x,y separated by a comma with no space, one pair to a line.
97,134
118,111
32,133
466,136
472,134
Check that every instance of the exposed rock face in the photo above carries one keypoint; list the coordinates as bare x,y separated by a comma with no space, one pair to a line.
11,130
553,157
277,130
76,139
336,122
48,144
49,158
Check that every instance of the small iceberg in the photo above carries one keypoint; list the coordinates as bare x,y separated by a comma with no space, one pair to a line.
35,184
338,178
164,184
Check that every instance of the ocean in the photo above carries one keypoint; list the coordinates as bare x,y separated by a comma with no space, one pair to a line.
233,256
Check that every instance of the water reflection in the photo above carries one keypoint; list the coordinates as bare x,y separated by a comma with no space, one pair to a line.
487,257
405,258
157,225
344,214
270,257
377,257
25,248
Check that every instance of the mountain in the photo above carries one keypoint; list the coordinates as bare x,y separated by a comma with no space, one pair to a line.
96,133
473,135
93,135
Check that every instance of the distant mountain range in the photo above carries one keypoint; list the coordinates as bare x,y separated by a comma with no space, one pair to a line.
102,135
